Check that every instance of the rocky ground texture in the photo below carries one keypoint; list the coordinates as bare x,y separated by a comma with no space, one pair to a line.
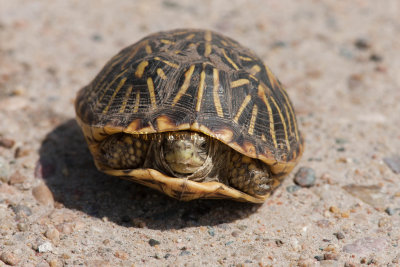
339,61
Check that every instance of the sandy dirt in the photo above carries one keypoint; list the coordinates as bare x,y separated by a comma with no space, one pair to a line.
339,61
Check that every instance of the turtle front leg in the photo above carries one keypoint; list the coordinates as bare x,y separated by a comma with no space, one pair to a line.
249,175
123,151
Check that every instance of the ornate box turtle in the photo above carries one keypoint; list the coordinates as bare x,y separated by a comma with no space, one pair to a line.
193,114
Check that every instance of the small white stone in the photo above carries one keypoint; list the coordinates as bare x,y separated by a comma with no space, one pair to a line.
295,244
45,247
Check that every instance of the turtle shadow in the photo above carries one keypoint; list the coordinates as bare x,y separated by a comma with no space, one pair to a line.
67,167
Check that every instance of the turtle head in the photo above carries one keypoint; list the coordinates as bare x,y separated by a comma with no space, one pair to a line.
185,152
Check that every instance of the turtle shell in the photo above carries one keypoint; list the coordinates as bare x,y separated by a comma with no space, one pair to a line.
195,80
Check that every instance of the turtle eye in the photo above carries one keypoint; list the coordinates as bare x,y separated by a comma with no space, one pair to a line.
203,145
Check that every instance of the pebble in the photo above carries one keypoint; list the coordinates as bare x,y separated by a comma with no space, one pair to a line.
22,210
366,245
153,242
22,227
295,244
292,188
17,178
375,57
390,211
43,195
362,44
393,163
341,141
19,152
4,170
9,258
229,243
7,143
279,243
330,248
385,222
334,209
121,255
97,37
235,233
319,257
65,228
211,231
45,247
305,177
184,253
346,53
339,235
53,234
341,149
331,256
55,263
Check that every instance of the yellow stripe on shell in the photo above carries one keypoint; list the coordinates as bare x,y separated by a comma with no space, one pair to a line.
239,82
161,73
253,119
255,69
262,94
185,85
246,58
121,83
167,62
108,87
190,36
165,41
230,60
200,90
291,114
137,102
150,86
242,107
217,101
283,122
127,95
148,49
290,130
140,69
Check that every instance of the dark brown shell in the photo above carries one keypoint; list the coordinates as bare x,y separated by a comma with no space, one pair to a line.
194,80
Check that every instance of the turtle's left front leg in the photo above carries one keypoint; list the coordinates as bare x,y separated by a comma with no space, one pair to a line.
249,175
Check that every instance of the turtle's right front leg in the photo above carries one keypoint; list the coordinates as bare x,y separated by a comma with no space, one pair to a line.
124,151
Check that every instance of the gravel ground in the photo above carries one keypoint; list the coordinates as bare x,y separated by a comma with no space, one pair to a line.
339,61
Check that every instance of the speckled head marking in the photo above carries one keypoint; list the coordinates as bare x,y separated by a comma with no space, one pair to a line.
205,85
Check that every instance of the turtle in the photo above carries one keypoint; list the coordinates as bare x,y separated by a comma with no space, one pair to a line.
191,113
